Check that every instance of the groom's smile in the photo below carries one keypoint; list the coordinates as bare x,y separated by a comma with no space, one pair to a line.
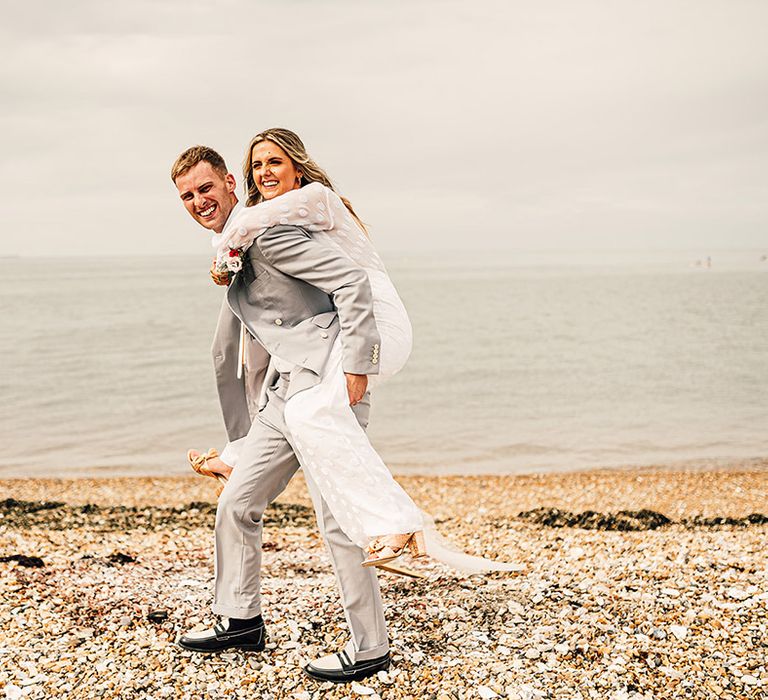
208,215
207,195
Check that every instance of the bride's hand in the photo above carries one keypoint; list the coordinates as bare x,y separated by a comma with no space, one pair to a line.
356,387
220,278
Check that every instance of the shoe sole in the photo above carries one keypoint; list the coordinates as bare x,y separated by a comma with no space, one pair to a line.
350,678
241,647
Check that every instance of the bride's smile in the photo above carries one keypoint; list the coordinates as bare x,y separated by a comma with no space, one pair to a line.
272,170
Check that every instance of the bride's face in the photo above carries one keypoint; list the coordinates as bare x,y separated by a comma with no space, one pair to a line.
273,171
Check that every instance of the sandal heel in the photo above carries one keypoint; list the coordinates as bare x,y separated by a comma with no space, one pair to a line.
381,552
416,544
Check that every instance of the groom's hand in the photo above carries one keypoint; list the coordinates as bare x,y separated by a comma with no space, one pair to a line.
220,278
356,387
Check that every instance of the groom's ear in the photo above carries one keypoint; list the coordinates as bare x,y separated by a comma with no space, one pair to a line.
229,179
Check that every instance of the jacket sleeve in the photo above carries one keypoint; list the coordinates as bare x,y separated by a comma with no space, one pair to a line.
294,252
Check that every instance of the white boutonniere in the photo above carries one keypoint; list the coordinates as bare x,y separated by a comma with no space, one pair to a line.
232,262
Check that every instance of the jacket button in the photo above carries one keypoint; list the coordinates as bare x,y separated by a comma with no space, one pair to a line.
323,335
278,321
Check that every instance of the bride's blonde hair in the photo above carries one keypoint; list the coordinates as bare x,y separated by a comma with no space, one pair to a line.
297,152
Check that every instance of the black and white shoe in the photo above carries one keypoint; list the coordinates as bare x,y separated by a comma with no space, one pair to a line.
248,635
338,668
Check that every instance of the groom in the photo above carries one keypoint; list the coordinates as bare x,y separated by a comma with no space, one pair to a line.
294,296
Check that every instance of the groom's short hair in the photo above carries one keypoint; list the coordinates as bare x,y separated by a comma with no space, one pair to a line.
198,154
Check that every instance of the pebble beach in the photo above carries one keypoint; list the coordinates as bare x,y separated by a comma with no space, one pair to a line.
638,583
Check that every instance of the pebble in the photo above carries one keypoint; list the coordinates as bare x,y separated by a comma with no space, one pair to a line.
737,593
679,631
361,689
671,672
385,677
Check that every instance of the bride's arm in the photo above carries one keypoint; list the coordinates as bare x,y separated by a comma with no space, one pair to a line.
310,207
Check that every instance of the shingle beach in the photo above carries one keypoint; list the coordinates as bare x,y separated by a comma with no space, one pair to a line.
638,583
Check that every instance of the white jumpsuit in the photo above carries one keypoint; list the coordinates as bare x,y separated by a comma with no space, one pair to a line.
360,491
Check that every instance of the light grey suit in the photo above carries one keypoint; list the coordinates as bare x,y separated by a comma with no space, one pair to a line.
295,296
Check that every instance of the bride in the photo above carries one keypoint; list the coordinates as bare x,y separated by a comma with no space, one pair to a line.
285,186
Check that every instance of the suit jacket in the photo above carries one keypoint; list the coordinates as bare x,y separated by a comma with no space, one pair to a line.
295,296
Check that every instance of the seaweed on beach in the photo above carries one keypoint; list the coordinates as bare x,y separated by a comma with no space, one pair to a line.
624,520
12,504
701,521
55,515
61,516
630,520
30,562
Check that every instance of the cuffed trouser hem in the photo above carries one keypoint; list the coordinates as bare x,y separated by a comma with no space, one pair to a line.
364,654
232,611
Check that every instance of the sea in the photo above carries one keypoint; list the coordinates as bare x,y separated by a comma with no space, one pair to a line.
523,362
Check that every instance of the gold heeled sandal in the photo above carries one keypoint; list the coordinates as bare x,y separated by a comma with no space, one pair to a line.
383,550
199,465
400,570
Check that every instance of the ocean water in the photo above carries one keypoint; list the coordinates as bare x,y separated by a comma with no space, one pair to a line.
523,362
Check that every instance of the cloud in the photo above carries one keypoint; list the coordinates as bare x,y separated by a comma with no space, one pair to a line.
526,124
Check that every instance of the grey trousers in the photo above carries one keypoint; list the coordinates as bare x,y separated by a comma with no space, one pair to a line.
266,465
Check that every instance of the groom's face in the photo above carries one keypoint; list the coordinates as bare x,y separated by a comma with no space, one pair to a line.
207,195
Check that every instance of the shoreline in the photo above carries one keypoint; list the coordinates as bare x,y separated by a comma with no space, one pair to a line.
702,489
8,473
652,610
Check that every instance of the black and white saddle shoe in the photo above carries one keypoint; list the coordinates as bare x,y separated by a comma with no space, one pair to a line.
338,668
248,635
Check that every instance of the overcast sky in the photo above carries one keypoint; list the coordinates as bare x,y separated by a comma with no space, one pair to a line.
467,125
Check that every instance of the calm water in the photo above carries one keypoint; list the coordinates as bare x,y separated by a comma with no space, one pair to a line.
521,364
